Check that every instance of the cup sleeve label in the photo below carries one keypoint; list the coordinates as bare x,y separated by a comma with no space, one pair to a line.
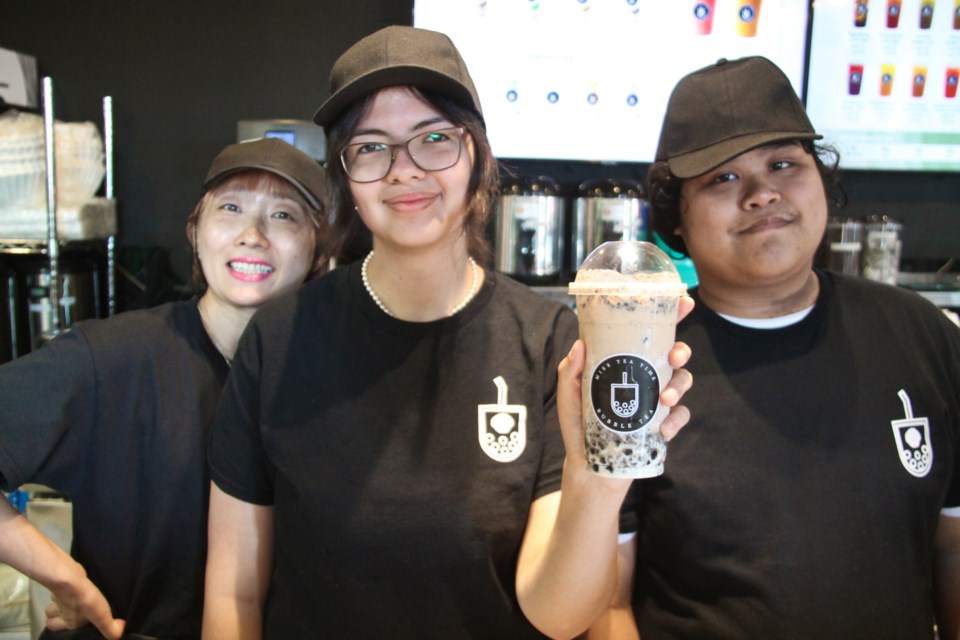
624,392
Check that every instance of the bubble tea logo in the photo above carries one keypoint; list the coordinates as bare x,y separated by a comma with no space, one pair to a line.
625,392
502,427
912,436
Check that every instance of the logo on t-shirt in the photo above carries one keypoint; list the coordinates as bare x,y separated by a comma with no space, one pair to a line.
913,440
502,427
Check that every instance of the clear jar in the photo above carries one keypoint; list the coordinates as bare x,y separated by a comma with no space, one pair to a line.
881,249
844,245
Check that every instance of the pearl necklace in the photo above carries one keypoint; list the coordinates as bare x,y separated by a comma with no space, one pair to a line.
474,286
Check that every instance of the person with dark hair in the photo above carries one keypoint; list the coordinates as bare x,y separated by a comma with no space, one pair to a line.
115,413
816,493
387,458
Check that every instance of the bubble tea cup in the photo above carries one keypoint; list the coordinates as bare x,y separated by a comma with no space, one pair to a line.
627,295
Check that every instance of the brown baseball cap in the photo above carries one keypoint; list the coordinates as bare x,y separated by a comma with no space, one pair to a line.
395,56
718,112
277,157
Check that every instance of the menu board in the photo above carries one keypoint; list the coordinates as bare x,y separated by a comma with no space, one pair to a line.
590,79
882,83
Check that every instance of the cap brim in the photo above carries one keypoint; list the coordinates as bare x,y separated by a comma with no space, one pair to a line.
695,163
220,177
419,77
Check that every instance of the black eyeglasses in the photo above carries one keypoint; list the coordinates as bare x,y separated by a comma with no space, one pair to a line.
431,151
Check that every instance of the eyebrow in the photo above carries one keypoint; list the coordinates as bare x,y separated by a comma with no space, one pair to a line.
273,193
429,122
782,143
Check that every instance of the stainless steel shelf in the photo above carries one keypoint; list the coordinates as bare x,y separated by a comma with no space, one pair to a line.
18,246
95,218
23,247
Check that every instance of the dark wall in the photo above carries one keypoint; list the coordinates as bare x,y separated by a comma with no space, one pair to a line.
182,74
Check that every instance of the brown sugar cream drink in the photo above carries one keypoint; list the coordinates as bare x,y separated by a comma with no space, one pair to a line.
627,295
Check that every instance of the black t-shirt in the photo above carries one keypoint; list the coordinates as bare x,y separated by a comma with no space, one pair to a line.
115,415
802,498
400,458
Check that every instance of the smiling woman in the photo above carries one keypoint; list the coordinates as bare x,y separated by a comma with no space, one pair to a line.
360,485
253,237
256,232
411,210
115,413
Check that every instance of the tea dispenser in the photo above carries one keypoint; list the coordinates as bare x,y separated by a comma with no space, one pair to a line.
607,210
530,229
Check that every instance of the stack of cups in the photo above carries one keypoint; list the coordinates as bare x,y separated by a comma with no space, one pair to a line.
627,294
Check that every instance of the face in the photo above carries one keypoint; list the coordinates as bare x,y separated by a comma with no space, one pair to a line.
252,243
756,220
411,207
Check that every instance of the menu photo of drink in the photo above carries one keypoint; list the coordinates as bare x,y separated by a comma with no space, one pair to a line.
590,79
882,82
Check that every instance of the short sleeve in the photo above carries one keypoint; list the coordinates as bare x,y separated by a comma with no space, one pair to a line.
563,336
238,462
47,414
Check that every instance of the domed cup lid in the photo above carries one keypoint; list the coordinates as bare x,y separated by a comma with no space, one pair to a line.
627,268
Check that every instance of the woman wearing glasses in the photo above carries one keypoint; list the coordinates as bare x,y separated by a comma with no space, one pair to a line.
387,459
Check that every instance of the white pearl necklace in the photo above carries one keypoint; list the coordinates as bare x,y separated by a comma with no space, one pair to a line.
474,286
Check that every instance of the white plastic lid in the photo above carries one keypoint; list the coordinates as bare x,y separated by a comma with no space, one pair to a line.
627,268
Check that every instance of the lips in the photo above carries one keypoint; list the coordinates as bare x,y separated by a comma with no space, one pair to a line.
411,201
767,223
250,270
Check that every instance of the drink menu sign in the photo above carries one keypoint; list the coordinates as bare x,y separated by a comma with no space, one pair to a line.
882,83
590,79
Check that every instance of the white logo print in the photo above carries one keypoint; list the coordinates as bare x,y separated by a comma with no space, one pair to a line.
913,440
502,427
625,397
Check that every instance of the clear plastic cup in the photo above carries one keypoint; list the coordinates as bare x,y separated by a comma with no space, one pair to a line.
626,295
881,249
